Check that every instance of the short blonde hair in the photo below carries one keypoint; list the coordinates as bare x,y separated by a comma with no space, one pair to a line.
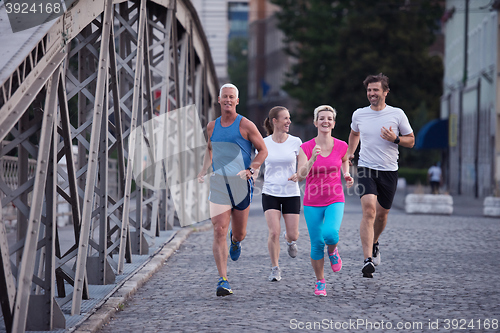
324,108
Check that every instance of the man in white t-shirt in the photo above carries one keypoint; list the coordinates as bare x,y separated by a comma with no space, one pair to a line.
381,129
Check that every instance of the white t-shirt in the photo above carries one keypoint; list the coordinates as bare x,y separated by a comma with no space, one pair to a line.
281,164
377,153
434,173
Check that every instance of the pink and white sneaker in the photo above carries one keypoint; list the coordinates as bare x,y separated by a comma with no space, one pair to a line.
335,260
320,289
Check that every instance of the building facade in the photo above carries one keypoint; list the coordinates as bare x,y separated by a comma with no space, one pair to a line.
267,64
471,96
220,19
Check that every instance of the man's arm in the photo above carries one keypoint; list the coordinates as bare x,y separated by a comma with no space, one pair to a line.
407,141
256,139
353,144
345,171
207,159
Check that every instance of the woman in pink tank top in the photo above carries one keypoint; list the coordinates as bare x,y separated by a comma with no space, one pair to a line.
323,162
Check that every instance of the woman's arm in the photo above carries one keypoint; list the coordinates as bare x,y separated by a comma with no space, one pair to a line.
304,165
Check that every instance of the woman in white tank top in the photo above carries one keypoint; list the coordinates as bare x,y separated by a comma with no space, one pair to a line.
280,192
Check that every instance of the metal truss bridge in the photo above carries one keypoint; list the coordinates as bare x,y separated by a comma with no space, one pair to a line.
80,90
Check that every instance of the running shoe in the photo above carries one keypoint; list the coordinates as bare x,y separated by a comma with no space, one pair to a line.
223,288
335,260
292,247
320,289
376,254
368,268
235,248
275,274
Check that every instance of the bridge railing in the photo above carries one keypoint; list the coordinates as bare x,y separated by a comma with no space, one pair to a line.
90,79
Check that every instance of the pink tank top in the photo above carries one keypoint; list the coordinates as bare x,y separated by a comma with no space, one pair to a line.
324,183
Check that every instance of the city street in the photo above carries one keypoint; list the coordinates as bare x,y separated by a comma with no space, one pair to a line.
438,273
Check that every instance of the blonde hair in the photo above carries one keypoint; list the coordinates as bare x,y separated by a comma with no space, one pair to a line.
324,108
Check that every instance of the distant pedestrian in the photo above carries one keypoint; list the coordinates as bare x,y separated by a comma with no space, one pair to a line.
280,192
435,177
381,129
230,140
323,162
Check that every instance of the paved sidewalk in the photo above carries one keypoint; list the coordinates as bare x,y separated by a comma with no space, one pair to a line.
434,270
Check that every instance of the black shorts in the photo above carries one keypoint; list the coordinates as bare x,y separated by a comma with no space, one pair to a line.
286,205
381,183
231,191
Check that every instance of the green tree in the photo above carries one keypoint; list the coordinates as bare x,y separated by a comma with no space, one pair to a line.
338,43
237,68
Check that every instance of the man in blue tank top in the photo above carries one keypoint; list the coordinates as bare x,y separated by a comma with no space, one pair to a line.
230,140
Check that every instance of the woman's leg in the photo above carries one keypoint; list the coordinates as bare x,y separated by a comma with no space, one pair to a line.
291,214
292,227
318,266
273,217
333,218
314,220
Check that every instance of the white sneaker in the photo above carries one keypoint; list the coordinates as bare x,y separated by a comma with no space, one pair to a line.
292,247
275,274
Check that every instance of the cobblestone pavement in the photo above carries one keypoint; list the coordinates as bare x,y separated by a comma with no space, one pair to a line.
438,273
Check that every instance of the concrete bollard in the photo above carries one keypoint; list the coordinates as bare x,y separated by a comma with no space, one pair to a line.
429,204
491,206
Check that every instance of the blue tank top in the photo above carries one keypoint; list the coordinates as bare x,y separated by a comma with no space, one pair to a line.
231,153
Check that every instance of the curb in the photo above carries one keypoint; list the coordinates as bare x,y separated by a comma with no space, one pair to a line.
117,299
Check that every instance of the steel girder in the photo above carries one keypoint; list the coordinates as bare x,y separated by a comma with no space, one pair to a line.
77,87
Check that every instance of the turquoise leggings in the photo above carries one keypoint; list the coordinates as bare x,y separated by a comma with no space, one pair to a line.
323,224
